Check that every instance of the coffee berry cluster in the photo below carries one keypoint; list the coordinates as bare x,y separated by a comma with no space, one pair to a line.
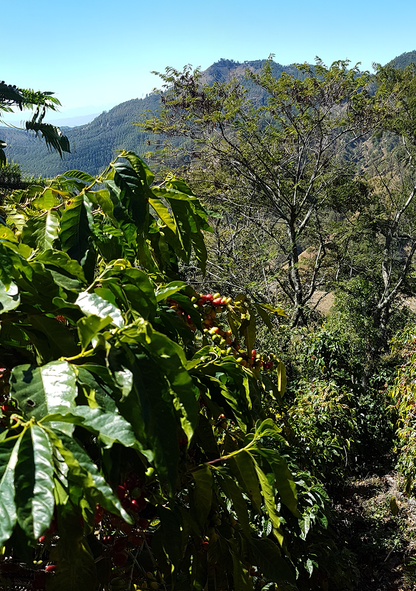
212,307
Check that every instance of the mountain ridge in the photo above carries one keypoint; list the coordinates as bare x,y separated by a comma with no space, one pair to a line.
95,144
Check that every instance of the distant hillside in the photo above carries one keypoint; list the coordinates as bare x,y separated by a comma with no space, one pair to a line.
95,144
404,59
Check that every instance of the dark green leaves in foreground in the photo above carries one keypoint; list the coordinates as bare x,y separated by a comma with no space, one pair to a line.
109,379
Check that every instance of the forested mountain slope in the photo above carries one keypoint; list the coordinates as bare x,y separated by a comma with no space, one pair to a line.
95,144
92,145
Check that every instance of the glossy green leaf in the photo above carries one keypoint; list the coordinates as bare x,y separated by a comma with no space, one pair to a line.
270,502
134,191
98,386
243,465
40,232
9,450
281,378
7,234
47,200
76,228
88,328
102,199
34,482
268,428
168,290
9,297
41,390
140,292
140,166
108,426
285,484
80,175
61,262
273,309
92,304
84,472
149,409
264,316
8,263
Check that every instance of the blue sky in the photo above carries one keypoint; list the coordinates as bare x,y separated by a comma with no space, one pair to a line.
95,54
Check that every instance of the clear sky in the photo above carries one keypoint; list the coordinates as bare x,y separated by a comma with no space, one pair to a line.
95,54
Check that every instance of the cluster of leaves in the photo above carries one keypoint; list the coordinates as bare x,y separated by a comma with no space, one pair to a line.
322,427
103,378
403,393
39,102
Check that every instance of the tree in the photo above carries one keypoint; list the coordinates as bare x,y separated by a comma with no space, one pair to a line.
40,102
276,160
377,236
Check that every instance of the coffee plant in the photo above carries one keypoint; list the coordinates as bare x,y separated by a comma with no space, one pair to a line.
135,448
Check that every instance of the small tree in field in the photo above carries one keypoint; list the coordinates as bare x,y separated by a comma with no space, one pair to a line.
276,162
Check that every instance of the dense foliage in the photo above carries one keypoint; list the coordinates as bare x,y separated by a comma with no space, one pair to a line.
135,431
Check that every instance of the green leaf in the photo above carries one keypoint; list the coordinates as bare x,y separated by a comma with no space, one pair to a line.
47,200
88,328
92,304
243,465
110,427
80,175
273,309
140,292
264,316
40,232
241,579
135,192
84,472
76,228
9,297
61,262
268,428
281,378
57,338
34,482
267,557
9,263
171,523
285,484
9,450
202,494
39,391
270,502
233,492
149,409
168,290
99,387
